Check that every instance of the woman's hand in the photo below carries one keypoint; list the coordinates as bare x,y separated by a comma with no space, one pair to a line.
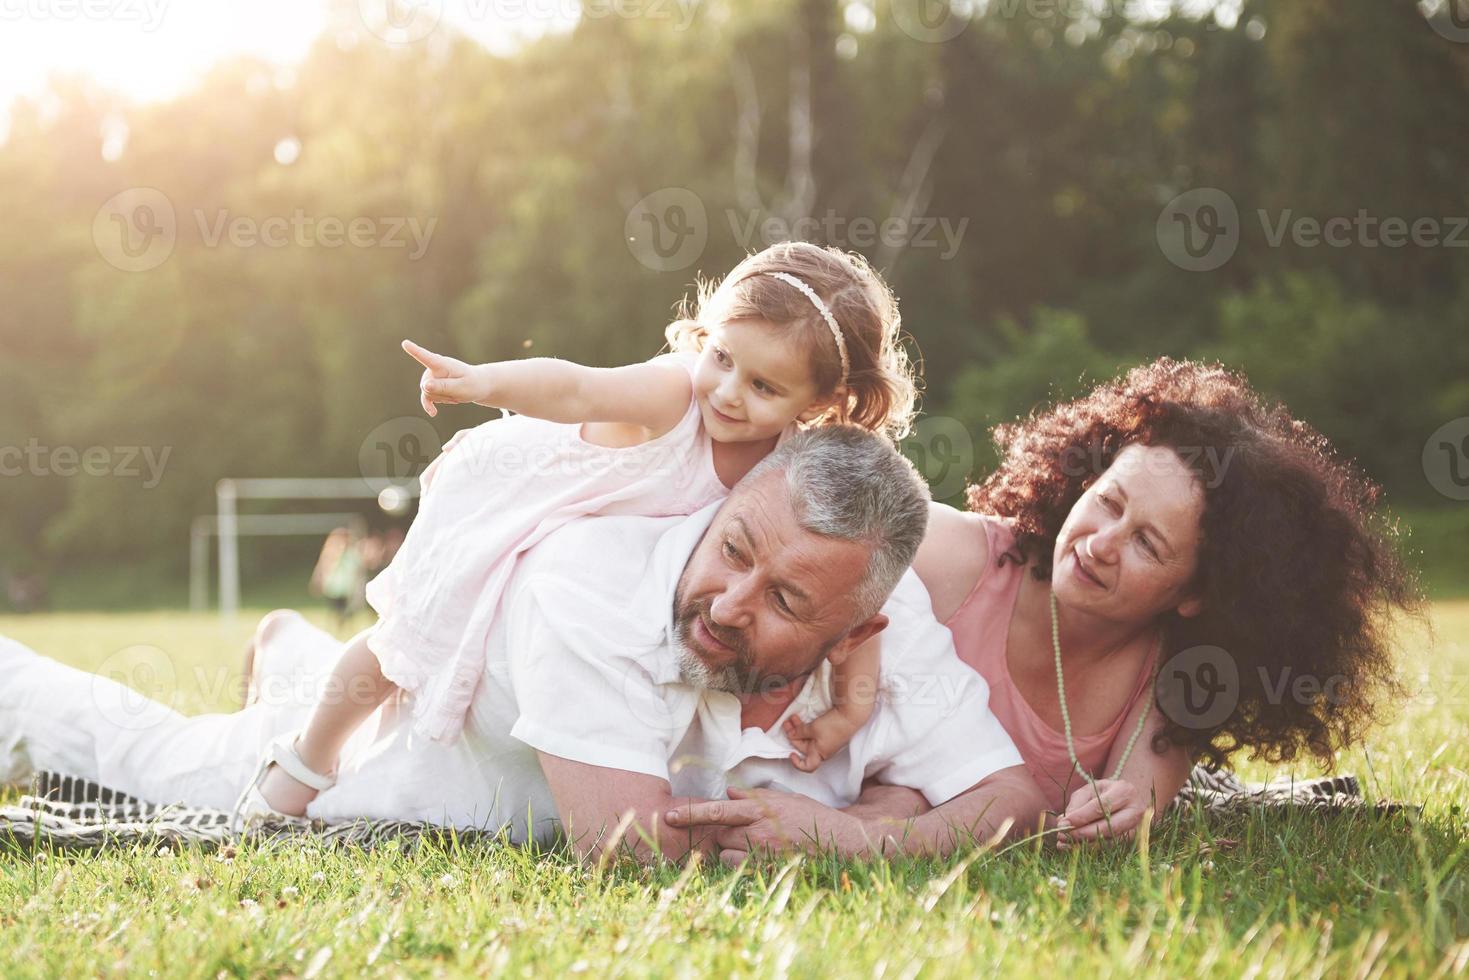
768,822
449,380
1115,809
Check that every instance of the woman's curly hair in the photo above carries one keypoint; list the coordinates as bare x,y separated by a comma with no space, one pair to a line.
1299,574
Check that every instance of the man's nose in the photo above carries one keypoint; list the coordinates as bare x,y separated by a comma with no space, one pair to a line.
732,606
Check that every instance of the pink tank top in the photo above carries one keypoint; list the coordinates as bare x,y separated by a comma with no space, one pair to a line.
981,626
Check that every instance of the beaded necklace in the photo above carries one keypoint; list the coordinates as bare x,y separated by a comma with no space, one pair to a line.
1066,715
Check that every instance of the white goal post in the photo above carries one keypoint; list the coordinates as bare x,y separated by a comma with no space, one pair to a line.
229,525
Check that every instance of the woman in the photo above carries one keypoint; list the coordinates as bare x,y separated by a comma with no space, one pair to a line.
1175,518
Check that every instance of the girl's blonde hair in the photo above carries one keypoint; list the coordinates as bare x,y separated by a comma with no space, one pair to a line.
881,391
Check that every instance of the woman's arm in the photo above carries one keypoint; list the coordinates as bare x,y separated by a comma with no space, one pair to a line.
954,554
1148,780
651,396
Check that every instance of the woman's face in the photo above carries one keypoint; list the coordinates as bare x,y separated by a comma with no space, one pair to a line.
1129,548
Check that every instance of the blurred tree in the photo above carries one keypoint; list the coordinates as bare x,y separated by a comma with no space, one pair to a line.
1044,139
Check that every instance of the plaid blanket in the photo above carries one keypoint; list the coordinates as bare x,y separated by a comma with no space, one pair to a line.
67,813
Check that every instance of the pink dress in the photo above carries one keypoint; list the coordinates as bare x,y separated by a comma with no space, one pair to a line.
981,627
495,491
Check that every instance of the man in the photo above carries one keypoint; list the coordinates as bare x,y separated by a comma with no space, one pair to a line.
636,664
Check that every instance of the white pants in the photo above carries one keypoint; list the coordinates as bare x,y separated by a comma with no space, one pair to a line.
55,717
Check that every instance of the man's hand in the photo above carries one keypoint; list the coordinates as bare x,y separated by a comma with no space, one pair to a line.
767,822
1115,809
448,380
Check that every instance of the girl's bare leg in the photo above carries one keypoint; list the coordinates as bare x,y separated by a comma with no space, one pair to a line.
354,691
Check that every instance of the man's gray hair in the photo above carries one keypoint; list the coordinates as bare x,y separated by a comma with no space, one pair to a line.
845,482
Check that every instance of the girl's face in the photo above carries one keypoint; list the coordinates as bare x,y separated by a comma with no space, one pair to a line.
751,382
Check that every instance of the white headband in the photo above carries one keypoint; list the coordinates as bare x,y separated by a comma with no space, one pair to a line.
831,321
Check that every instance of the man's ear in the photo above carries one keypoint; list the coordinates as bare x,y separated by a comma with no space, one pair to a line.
860,634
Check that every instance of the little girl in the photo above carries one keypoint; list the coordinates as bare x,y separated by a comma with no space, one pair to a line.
795,335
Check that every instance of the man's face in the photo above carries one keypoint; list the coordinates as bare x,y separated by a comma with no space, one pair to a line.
761,602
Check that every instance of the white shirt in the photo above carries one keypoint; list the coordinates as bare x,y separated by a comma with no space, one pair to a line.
588,638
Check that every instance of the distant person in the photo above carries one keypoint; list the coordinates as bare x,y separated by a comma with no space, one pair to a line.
340,575
27,592
796,335
378,549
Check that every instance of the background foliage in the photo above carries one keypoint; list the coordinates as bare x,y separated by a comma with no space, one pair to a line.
1058,132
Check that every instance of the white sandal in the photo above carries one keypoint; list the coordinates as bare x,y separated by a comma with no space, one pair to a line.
252,806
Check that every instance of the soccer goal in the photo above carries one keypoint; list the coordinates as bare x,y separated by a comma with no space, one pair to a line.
228,525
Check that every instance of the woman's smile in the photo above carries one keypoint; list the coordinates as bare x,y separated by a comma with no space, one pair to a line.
1084,573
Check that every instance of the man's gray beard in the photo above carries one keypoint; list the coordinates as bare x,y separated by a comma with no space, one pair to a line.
696,673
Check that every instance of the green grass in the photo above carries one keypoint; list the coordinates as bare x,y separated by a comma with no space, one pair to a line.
1279,894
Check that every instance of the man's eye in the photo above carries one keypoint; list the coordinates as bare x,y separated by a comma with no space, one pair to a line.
781,601
731,552
1147,545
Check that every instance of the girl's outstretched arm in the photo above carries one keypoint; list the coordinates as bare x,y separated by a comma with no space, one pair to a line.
651,396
